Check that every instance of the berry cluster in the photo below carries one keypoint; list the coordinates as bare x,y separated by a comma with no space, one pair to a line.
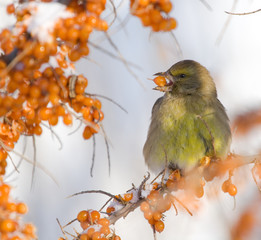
10,213
156,203
94,227
151,14
36,76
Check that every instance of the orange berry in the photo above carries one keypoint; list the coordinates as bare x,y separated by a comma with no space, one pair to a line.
95,216
232,190
53,120
89,102
40,51
11,207
35,92
157,216
166,7
72,34
74,55
84,236
67,119
104,222
85,225
21,208
144,2
148,214
7,225
83,216
96,236
87,133
160,81
44,113
10,8
144,206
98,115
199,191
90,232
225,185
127,197
159,226
110,210
29,229
97,103
105,230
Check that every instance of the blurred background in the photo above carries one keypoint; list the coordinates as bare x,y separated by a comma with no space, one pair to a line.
233,58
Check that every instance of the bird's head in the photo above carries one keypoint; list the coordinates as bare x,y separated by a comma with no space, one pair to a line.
188,77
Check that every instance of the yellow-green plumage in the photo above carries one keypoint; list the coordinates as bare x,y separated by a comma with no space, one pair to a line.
188,122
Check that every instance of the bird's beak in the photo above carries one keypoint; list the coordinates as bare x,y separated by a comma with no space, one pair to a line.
168,86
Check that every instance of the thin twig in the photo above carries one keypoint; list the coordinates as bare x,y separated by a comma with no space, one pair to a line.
109,99
113,55
179,51
39,165
254,177
69,223
34,161
123,60
242,14
222,33
55,134
114,13
157,177
103,206
107,148
93,155
181,203
61,228
142,184
206,4
19,162
96,191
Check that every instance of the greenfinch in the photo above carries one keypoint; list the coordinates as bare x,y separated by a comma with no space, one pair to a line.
189,122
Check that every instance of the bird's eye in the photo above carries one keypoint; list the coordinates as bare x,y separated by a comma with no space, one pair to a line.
182,75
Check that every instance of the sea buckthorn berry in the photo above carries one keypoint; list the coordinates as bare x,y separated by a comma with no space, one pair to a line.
160,81
159,226
67,119
87,133
85,225
7,225
97,103
83,216
95,216
199,191
232,190
84,236
53,120
148,214
110,210
10,8
98,115
29,229
225,185
90,232
11,207
157,216
103,222
127,197
144,206
21,208
96,236
89,102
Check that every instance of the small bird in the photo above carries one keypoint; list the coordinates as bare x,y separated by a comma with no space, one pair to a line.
188,122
